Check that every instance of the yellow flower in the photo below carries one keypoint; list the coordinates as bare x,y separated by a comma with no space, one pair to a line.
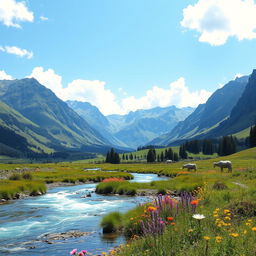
207,238
215,215
234,234
227,218
245,232
248,224
226,211
254,229
190,230
218,239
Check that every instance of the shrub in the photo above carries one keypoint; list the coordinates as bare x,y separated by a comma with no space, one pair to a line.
27,176
111,222
219,185
15,176
243,208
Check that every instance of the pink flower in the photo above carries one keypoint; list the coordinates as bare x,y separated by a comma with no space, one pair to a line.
84,251
73,252
80,254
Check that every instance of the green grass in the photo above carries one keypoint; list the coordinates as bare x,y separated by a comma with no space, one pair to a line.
10,188
234,191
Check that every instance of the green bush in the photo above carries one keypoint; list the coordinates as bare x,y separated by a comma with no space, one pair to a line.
15,176
111,223
27,176
219,185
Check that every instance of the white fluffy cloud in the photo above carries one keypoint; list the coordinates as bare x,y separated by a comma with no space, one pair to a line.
4,76
17,51
177,94
217,20
12,13
94,92
48,78
97,94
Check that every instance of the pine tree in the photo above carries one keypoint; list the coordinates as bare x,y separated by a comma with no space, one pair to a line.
175,157
162,156
252,137
151,156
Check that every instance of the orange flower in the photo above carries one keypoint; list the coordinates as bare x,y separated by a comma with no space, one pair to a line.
152,209
170,218
194,202
173,224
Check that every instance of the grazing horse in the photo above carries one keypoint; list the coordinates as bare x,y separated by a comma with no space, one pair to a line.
223,164
189,166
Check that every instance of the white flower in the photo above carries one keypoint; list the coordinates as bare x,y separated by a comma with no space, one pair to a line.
198,216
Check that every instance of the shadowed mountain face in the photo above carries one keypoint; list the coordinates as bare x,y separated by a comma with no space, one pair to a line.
134,129
207,116
243,114
59,122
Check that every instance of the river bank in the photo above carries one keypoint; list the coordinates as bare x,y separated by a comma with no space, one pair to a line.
24,223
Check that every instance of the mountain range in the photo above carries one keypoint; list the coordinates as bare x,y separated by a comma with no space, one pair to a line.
34,120
230,109
48,124
135,128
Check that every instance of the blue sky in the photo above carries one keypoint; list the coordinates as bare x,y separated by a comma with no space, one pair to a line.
121,55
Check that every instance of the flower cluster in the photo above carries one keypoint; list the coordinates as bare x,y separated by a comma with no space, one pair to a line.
76,253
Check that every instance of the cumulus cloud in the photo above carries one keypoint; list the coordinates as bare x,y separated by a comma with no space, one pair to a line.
177,94
17,51
48,78
97,93
12,13
217,20
4,76
94,92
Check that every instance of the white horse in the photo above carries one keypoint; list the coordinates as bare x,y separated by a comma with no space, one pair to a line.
189,166
223,164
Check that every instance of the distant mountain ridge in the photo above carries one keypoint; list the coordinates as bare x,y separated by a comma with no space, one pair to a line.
134,129
208,116
62,126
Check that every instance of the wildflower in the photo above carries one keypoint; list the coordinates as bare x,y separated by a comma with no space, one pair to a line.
194,202
198,216
190,230
170,218
152,209
234,234
173,224
245,232
207,238
226,211
218,239
254,229
227,218
73,252
248,224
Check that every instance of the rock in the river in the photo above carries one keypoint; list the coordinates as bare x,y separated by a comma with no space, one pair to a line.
64,235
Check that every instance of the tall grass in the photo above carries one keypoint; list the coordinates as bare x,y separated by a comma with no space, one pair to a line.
9,189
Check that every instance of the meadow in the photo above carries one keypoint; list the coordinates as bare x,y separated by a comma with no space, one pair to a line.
216,218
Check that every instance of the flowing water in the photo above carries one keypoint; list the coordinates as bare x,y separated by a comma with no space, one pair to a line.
24,222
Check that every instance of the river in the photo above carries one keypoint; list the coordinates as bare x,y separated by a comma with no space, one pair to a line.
24,222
